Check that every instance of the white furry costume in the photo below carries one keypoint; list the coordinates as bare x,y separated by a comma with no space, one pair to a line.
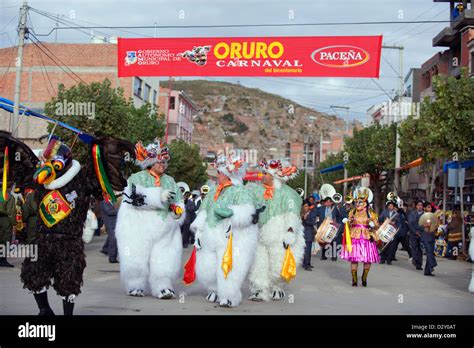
279,225
233,208
148,229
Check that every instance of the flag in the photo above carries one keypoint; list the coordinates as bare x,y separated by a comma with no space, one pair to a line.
227,258
288,271
190,269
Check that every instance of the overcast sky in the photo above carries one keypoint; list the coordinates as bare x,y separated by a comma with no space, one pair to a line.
318,93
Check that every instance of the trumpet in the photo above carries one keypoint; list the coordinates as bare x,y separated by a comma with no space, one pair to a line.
337,198
205,189
348,199
392,196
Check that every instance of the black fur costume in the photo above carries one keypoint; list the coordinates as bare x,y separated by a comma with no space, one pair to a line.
60,247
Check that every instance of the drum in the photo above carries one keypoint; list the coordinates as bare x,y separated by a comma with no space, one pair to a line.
386,232
327,231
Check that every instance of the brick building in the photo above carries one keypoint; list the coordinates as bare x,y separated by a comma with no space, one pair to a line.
458,37
182,110
41,76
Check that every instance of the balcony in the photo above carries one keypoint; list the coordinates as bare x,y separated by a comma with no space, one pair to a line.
463,20
449,35
445,38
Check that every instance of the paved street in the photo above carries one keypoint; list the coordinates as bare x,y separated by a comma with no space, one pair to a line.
396,289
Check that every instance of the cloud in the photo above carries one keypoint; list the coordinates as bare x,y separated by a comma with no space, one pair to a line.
355,93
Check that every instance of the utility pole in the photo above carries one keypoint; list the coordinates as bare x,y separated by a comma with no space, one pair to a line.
345,123
396,180
19,65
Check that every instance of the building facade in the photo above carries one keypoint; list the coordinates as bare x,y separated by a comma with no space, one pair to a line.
458,38
67,64
179,110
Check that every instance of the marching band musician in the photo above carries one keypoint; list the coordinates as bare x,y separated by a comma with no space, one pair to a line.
309,220
329,209
428,240
359,243
390,212
415,234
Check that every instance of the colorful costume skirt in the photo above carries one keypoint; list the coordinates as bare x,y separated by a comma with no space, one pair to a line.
363,250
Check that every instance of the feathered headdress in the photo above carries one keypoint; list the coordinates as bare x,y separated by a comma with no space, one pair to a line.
232,167
363,194
152,153
279,169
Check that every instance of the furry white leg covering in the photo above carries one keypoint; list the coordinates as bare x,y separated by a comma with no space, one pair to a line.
243,252
259,276
206,264
165,262
134,246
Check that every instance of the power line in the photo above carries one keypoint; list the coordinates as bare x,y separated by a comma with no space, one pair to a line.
321,84
59,20
44,13
70,73
6,26
391,66
244,25
46,72
418,16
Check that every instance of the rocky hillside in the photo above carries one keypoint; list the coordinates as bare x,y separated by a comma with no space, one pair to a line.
251,118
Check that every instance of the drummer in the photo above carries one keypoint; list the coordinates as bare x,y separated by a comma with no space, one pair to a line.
329,209
390,212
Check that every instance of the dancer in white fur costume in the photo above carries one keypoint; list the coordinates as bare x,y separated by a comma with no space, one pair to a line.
148,226
226,213
280,227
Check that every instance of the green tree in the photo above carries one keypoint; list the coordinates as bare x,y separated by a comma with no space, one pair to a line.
445,125
372,150
299,182
186,164
112,115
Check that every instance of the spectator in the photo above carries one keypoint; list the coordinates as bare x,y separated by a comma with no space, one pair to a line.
191,208
309,220
454,230
109,215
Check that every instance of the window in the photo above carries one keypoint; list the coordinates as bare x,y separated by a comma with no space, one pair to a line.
172,102
155,95
137,87
146,95
472,63
288,150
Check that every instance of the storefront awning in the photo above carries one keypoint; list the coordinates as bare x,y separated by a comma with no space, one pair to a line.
354,178
457,164
416,163
335,168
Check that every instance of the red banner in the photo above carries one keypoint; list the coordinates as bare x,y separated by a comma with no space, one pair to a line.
323,56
